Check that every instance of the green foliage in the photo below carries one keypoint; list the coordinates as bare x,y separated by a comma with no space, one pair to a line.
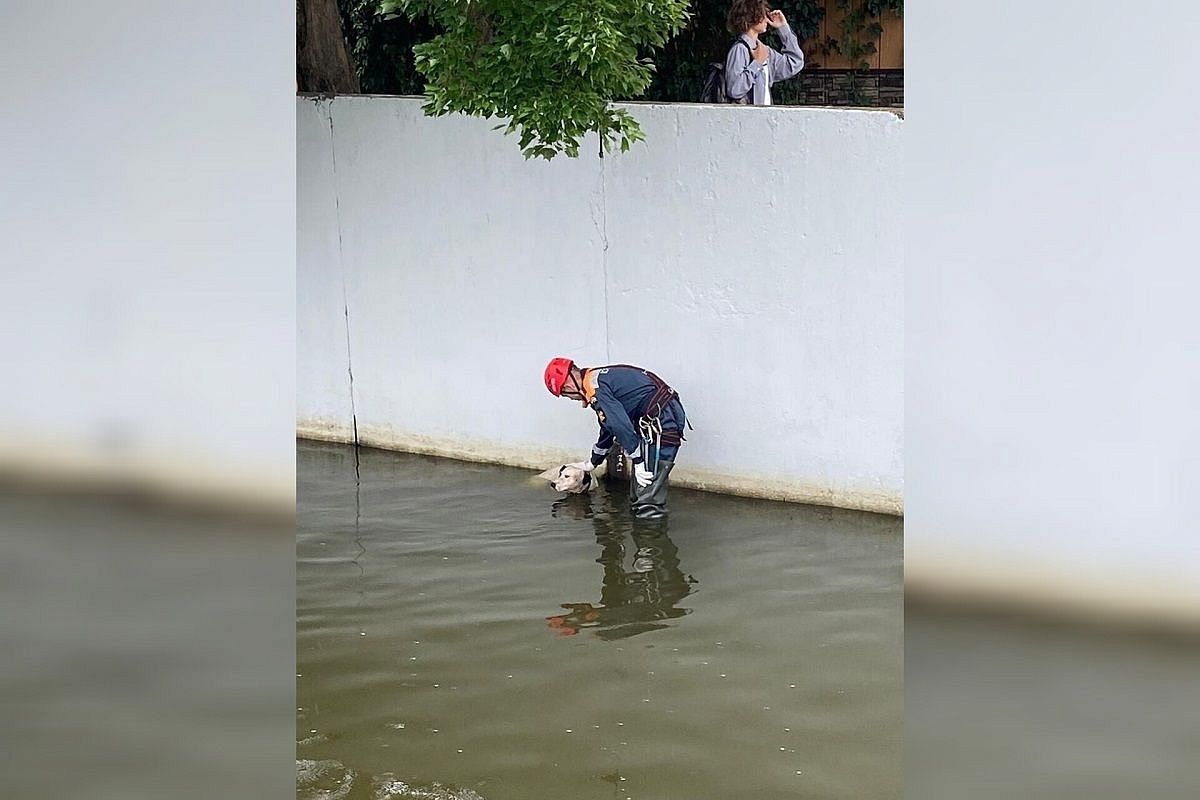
552,68
877,7
381,46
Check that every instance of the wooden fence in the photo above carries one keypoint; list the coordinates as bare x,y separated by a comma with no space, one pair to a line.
890,46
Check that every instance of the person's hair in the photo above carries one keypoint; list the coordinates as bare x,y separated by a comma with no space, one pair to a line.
745,14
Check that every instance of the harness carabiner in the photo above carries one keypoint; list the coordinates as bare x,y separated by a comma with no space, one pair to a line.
651,430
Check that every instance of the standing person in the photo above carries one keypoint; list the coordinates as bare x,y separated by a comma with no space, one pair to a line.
750,66
637,410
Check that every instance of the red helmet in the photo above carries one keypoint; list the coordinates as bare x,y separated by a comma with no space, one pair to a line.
556,374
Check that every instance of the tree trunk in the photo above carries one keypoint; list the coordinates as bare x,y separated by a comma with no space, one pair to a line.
322,62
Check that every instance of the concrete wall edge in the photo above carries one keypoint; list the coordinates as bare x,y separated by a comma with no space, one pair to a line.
324,431
877,501
633,104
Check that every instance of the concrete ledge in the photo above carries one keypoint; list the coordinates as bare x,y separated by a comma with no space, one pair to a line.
539,458
877,501
897,111
325,431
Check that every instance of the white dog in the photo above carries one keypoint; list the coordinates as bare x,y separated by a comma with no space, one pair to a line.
569,478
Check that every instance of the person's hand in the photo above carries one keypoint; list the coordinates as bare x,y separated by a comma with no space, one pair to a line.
643,476
776,19
761,53
586,466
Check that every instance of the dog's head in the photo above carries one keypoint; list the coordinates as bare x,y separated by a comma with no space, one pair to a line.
572,480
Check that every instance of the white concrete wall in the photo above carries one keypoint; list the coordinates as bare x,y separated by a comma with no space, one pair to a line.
751,257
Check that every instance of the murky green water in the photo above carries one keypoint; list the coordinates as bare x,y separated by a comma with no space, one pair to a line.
461,625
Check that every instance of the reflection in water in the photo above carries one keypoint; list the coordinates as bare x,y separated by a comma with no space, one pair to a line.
635,598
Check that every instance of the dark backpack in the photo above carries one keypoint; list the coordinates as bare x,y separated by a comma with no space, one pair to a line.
714,82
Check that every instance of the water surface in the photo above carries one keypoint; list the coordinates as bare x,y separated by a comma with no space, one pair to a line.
464,631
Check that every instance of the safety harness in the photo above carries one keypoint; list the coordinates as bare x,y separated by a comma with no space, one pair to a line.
649,422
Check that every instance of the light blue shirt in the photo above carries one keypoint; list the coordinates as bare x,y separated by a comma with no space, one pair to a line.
745,76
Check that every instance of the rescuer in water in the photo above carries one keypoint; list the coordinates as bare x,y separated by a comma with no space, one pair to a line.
638,412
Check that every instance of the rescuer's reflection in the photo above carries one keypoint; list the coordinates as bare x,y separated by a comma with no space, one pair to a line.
642,583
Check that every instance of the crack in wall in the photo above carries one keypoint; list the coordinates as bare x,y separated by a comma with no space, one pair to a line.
604,256
337,205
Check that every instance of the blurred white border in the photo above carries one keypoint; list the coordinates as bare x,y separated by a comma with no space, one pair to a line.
1053,447
148,315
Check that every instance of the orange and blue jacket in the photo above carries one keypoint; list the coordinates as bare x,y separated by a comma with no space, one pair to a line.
621,395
